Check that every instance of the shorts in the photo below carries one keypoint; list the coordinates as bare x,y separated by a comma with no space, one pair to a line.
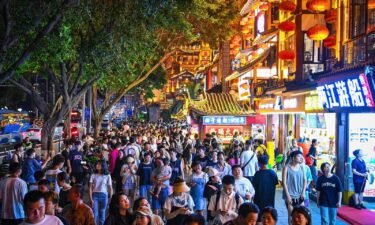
295,202
359,187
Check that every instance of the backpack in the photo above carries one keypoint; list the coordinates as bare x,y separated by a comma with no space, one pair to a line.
236,197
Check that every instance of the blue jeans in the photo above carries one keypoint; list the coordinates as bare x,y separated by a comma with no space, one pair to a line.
328,215
158,203
99,207
314,174
144,192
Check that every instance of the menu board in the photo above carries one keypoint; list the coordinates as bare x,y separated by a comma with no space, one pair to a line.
362,136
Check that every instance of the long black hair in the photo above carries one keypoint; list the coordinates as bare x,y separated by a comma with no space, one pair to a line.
104,166
114,205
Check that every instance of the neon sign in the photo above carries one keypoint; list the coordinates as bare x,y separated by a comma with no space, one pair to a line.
348,93
224,120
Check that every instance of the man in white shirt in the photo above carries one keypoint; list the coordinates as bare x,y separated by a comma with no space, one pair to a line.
242,185
12,192
288,141
259,135
224,205
133,149
249,161
35,210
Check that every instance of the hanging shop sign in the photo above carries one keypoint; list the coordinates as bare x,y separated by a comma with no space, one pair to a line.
349,93
282,104
313,103
224,120
243,89
225,133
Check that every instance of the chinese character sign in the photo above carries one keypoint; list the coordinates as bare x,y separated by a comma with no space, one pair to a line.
225,133
348,93
224,120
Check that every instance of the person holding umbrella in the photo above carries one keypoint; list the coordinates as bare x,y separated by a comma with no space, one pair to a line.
359,178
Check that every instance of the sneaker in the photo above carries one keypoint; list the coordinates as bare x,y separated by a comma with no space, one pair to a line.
362,206
358,206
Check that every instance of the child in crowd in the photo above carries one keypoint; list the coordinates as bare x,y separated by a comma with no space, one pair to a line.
165,172
39,175
128,172
63,182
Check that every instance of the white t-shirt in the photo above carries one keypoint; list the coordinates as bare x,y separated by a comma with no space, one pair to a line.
50,220
100,183
51,176
243,186
252,166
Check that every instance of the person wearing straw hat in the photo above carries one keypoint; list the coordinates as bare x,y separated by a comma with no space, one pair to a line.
179,204
213,186
143,216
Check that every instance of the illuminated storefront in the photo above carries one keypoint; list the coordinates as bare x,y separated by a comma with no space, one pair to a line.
226,126
351,97
319,125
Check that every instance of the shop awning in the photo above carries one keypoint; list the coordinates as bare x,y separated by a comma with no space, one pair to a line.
248,6
249,65
265,37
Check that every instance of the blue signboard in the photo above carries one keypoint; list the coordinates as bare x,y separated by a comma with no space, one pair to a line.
224,120
348,93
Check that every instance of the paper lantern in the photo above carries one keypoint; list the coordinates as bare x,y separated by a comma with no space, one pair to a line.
317,5
287,26
287,6
330,42
247,36
264,7
318,32
287,55
331,16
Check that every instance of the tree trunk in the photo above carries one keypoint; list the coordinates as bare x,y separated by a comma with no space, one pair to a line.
48,131
98,119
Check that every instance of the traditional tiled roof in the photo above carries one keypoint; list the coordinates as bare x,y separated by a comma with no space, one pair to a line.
218,104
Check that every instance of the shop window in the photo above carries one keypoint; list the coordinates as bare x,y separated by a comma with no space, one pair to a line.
355,52
313,51
371,20
371,46
358,20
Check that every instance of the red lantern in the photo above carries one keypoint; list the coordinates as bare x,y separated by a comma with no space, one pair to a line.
247,36
330,42
317,5
287,6
287,26
331,16
264,7
287,55
318,32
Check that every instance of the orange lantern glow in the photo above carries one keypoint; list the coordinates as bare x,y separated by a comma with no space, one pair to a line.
371,4
317,5
245,29
244,21
287,6
287,26
331,16
330,42
264,7
247,36
318,32
287,55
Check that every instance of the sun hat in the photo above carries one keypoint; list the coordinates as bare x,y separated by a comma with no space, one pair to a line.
180,187
213,172
130,159
145,211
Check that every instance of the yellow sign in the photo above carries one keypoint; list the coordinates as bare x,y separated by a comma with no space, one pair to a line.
313,103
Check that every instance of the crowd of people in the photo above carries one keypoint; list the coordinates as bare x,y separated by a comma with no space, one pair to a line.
157,173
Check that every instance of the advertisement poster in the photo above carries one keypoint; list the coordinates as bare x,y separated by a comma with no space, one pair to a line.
225,133
362,136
